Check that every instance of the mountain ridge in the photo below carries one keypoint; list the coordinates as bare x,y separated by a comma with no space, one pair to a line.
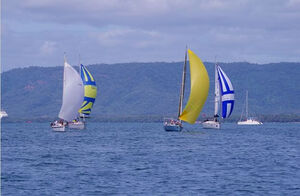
133,89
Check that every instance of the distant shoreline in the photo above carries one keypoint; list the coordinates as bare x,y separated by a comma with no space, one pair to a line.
155,118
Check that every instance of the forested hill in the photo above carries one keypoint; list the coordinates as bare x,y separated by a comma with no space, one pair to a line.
141,89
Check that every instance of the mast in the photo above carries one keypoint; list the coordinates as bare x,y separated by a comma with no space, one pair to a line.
80,114
182,85
65,60
64,76
246,104
79,66
217,93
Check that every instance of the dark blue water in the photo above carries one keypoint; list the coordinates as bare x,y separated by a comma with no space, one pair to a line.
143,159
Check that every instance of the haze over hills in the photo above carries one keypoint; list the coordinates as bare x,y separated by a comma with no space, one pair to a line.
145,89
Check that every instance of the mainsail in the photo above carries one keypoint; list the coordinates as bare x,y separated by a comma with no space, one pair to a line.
199,89
227,93
72,93
90,91
217,93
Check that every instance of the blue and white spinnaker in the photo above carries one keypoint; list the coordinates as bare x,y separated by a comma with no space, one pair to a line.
227,93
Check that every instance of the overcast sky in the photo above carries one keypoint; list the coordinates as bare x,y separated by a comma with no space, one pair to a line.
38,32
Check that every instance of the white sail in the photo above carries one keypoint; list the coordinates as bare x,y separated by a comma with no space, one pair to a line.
217,93
246,104
73,93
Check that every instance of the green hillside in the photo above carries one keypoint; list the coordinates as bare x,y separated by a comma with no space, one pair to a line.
151,89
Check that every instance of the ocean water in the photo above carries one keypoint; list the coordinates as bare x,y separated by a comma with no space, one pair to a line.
143,159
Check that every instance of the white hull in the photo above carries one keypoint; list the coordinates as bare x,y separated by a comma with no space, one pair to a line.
76,125
249,122
58,128
211,125
3,114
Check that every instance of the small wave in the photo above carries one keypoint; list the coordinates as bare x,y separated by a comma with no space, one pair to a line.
142,168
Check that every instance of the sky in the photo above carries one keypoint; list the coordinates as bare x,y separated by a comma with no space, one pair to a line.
39,32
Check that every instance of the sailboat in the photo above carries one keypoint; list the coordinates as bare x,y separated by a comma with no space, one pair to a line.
73,93
249,120
224,97
90,93
3,114
198,93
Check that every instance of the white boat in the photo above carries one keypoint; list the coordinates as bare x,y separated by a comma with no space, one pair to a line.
211,124
90,93
248,120
72,97
3,114
198,94
76,124
224,99
58,125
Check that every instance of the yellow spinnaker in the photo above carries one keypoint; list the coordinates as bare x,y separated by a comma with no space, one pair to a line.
199,89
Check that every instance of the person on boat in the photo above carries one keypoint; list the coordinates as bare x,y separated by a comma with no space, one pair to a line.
61,122
54,123
178,123
216,117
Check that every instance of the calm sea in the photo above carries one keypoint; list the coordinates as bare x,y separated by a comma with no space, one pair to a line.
143,159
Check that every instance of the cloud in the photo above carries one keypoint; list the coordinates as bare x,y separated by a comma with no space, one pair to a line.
153,14
146,13
117,36
293,3
149,30
48,48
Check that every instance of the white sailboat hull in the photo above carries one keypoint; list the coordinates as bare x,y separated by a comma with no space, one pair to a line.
3,114
58,128
210,124
249,122
76,125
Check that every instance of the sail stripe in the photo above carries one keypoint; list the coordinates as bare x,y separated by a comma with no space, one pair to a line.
227,108
227,93
87,76
225,80
223,84
90,91
84,76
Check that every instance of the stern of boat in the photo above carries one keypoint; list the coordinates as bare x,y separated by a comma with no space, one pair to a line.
211,124
172,124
